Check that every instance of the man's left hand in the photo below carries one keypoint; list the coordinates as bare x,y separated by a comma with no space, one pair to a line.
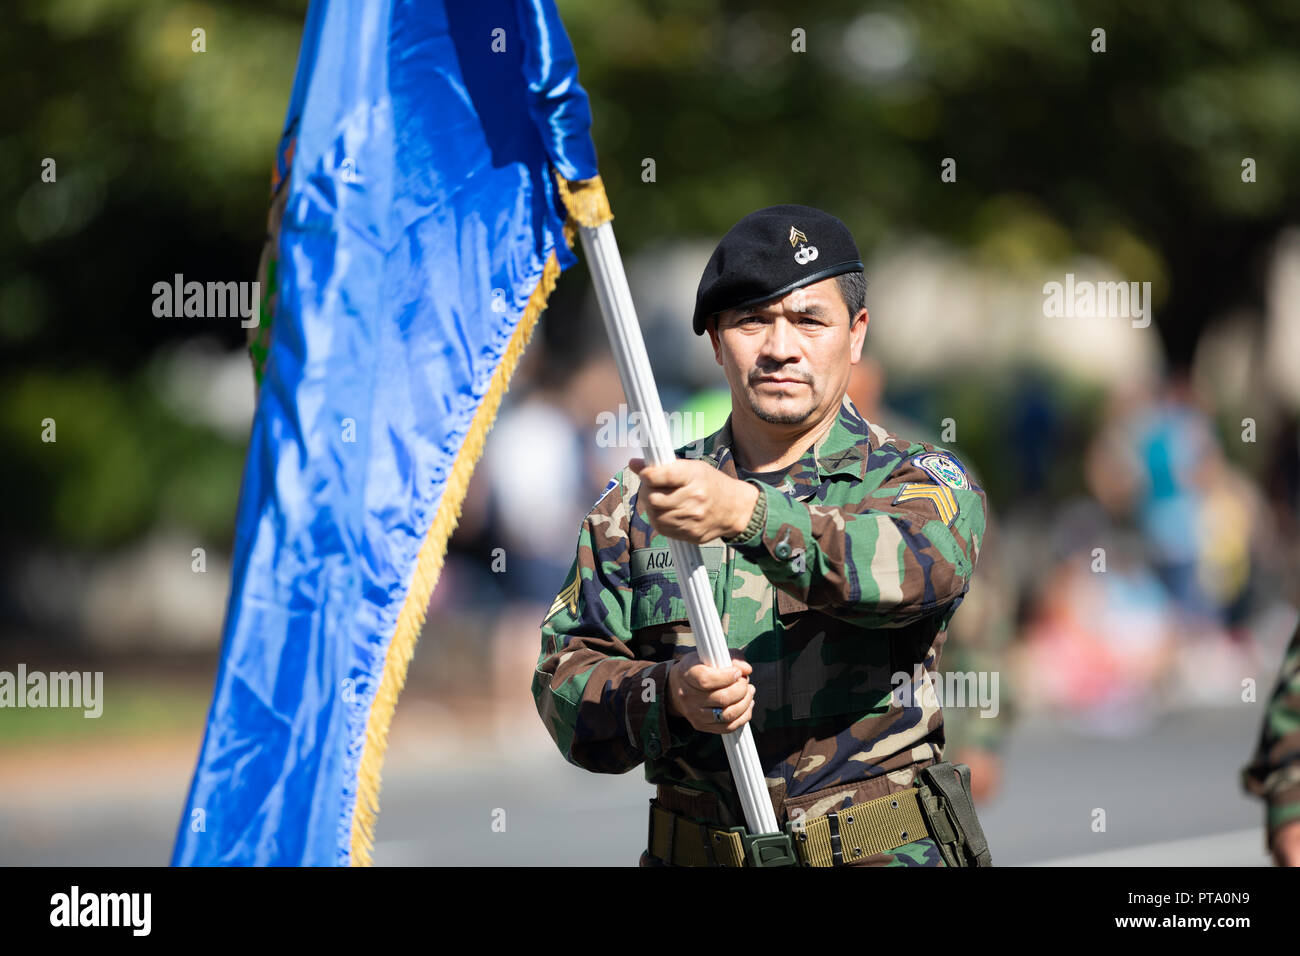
693,501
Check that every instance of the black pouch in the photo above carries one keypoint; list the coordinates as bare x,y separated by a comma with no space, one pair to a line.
950,813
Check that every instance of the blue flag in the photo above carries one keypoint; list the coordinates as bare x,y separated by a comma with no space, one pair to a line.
435,160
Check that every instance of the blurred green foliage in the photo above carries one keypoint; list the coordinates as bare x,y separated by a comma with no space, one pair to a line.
163,159
121,462
130,706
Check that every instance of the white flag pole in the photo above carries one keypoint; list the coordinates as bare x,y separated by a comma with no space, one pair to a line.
625,339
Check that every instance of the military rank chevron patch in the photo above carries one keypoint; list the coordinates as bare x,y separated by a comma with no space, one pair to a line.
940,495
566,598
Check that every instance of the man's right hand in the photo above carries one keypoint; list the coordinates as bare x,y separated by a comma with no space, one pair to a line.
694,689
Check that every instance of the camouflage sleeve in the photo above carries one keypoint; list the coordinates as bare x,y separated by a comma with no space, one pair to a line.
1274,772
605,710
905,551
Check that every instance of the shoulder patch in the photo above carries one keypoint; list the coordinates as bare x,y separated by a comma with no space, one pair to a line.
938,495
944,469
568,597
613,483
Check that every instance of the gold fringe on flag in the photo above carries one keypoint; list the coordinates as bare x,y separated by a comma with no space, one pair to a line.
587,205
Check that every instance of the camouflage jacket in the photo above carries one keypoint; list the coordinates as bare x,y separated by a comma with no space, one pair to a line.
1274,773
867,550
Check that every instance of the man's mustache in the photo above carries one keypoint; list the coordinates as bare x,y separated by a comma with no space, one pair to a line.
797,376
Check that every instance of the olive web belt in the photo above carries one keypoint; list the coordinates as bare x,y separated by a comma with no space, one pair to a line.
853,833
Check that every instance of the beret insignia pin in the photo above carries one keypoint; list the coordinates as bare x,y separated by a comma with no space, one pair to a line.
805,253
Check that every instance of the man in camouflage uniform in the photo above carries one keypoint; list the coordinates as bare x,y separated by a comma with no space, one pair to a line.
837,553
1274,773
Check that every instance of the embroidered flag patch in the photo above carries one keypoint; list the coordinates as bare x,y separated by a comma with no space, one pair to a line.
613,483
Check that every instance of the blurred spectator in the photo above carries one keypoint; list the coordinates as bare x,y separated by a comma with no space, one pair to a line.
544,466
1100,641
1158,461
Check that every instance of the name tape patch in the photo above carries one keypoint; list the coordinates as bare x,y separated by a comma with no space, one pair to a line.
644,561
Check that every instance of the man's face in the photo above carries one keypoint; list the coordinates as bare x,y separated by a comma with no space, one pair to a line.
790,359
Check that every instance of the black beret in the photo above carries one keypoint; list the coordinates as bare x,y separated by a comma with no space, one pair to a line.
772,252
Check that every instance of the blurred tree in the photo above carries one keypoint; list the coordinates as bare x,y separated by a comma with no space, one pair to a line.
163,156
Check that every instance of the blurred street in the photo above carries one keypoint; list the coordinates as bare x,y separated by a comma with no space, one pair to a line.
1170,799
